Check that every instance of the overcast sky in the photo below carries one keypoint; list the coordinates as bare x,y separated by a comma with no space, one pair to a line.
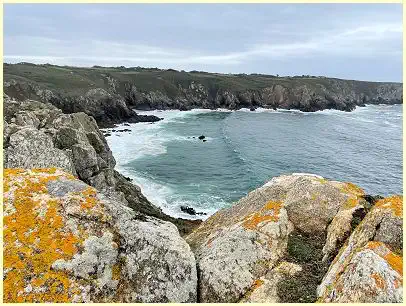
352,41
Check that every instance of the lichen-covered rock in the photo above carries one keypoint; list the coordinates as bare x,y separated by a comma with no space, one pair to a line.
64,242
31,148
265,289
364,269
240,244
372,275
39,135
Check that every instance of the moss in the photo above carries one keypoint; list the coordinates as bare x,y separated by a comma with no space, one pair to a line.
306,250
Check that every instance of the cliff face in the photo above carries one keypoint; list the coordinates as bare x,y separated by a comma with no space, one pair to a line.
110,94
39,135
299,238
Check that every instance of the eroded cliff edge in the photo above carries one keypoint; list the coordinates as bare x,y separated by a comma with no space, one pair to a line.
39,135
110,94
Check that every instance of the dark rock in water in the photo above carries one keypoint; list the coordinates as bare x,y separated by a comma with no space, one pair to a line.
128,178
204,140
202,137
193,137
191,210
127,130
188,210
252,109
126,124
114,130
107,135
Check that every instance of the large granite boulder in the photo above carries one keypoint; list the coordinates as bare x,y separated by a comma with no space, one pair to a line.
242,244
65,242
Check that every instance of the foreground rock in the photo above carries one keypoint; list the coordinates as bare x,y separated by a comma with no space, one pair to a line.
40,135
266,246
65,242
369,266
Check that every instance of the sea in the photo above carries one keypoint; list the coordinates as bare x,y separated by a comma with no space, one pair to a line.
245,149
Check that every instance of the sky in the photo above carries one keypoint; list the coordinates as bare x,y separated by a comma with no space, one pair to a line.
350,41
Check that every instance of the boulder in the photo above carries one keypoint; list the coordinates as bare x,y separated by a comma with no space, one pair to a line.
30,148
368,268
65,242
241,244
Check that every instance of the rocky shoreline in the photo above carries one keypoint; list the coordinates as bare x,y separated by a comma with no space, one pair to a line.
76,230
109,94
39,135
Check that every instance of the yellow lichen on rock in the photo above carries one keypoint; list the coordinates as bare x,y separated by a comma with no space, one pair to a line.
269,213
395,203
352,189
35,236
394,260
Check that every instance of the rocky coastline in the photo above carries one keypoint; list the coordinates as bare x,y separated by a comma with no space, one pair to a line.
109,94
76,230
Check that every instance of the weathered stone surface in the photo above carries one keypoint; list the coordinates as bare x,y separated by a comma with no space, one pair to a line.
360,254
30,148
64,242
265,289
239,245
72,142
372,275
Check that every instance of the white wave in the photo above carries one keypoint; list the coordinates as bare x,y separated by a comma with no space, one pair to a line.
163,196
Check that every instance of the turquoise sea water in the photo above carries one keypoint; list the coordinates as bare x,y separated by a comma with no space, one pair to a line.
246,149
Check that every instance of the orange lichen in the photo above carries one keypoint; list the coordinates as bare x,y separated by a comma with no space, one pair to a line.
353,189
34,241
89,200
269,213
379,280
258,283
395,203
351,203
395,261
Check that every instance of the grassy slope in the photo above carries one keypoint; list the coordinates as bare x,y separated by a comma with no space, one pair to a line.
77,81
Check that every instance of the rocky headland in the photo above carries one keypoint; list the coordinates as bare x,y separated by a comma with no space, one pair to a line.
76,230
109,94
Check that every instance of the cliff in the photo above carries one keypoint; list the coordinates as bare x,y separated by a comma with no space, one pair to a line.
39,135
299,238
110,93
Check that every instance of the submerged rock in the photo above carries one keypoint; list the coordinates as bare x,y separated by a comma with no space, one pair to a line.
65,242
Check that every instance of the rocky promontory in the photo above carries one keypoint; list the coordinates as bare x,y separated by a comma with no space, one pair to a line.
110,94
39,135
299,238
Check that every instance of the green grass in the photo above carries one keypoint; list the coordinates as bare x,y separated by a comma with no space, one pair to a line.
305,250
78,80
